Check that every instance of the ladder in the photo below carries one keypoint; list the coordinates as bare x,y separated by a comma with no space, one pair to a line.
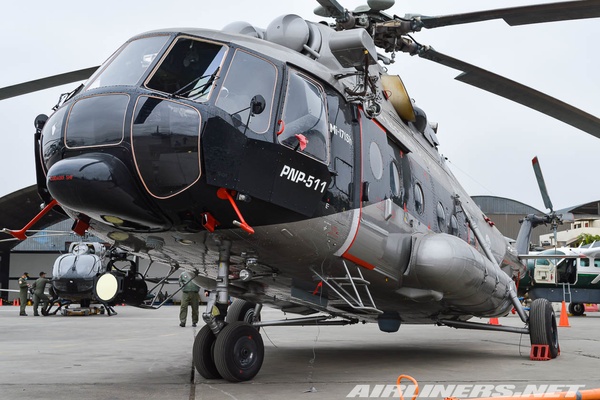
566,287
353,290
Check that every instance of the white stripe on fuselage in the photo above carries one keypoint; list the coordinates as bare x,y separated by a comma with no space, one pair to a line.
351,235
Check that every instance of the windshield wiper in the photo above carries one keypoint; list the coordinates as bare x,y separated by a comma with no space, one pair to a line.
182,93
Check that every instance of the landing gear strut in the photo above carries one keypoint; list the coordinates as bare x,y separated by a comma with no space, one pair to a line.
232,350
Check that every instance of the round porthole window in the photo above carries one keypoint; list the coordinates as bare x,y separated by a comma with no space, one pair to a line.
441,216
453,225
419,199
376,160
395,184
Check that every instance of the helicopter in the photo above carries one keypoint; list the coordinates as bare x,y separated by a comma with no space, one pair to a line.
73,276
284,166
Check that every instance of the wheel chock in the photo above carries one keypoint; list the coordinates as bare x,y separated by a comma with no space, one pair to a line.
539,352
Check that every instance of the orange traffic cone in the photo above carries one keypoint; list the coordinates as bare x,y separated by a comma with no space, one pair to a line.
1,304
564,317
493,321
16,302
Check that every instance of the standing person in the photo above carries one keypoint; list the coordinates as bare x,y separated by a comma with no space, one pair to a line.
191,296
38,293
23,288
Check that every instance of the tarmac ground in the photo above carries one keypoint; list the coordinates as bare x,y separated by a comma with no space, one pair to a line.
145,354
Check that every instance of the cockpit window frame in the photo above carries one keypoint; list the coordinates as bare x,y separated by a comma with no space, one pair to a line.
273,99
169,48
136,162
92,79
295,71
65,137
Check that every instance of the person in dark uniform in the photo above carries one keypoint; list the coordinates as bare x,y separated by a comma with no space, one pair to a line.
38,293
23,288
191,297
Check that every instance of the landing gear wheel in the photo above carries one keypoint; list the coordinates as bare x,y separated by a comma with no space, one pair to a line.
241,310
576,309
202,354
542,326
239,352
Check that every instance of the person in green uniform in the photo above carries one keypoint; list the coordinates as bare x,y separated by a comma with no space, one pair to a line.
190,296
38,293
23,288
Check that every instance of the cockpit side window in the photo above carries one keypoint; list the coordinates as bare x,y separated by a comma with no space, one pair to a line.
189,70
248,76
304,118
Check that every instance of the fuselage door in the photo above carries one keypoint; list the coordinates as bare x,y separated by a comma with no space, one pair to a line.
381,236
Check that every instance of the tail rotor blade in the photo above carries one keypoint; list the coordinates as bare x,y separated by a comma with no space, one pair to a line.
541,183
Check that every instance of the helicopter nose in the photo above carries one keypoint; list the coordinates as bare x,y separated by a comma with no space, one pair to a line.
100,186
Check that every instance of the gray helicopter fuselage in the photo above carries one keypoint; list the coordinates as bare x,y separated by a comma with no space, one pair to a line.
376,206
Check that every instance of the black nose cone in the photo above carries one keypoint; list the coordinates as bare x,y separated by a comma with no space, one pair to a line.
101,186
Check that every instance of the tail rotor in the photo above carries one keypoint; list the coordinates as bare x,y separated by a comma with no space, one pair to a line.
552,217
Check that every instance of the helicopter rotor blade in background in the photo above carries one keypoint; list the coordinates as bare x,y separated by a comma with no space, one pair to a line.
541,183
330,8
46,83
513,16
517,92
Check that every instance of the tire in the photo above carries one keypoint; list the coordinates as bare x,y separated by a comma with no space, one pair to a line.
542,326
202,354
577,309
239,352
241,310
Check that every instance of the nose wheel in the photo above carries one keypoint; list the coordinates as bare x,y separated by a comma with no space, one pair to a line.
242,310
229,348
239,352
235,354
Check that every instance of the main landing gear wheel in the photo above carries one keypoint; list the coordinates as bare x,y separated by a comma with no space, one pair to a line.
202,354
542,326
241,310
239,352
576,309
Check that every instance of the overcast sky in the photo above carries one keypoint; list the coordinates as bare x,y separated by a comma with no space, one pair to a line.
488,140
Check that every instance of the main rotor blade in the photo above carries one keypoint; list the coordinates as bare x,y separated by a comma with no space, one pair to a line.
524,15
332,8
541,183
46,83
517,92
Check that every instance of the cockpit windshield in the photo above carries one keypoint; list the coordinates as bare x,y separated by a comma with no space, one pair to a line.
129,63
189,69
